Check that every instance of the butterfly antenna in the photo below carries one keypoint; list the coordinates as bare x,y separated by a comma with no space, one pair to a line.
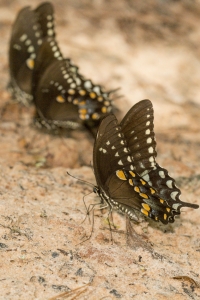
88,210
114,90
81,180
118,97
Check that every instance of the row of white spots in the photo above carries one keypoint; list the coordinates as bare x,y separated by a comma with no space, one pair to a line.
59,88
37,34
30,49
87,85
56,52
122,208
50,25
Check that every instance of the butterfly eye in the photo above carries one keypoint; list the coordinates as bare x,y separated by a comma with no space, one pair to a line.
96,190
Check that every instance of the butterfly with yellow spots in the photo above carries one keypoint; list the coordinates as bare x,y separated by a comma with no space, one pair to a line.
127,174
62,96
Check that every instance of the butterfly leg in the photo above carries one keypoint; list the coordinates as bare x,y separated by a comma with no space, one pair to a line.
108,219
88,212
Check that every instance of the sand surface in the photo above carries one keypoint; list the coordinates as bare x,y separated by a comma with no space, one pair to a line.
150,49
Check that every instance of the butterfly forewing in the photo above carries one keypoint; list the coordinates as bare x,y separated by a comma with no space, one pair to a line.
47,54
28,32
23,49
138,128
110,150
45,17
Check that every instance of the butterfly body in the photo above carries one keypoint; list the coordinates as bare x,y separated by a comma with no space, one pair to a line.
128,177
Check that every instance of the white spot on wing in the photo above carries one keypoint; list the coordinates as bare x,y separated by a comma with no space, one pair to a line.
176,205
96,89
30,49
147,131
88,84
23,37
169,184
141,165
149,140
173,195
161,174
150,150
103,150
146,177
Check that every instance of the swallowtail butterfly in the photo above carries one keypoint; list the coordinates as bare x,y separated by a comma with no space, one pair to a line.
127,174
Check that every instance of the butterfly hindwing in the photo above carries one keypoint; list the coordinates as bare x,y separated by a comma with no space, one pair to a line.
54,105
51,71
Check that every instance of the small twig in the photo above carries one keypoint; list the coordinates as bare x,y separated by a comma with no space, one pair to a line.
70,293
187,278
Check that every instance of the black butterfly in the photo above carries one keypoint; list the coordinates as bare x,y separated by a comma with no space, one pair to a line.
128,177
28,32
62,96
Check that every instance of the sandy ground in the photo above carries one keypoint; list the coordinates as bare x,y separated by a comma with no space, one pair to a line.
150,49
